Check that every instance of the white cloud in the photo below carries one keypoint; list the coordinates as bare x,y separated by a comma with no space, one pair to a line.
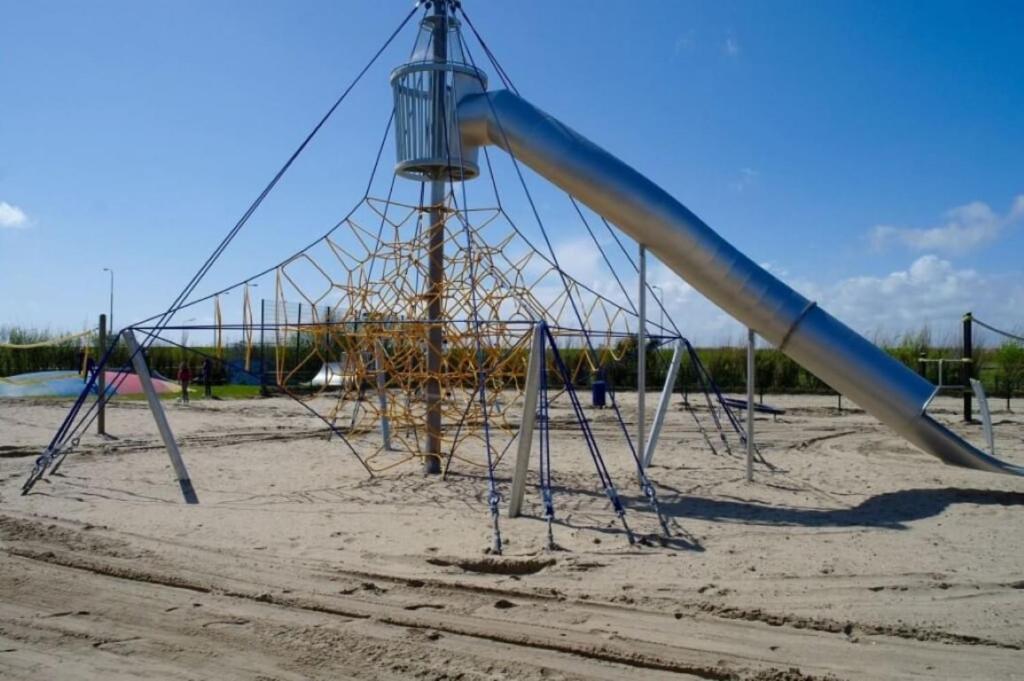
747,177
964,228
1017,210
580,259
686,42
731,46
12,217
930,292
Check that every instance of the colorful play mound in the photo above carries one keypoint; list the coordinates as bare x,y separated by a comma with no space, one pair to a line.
69,384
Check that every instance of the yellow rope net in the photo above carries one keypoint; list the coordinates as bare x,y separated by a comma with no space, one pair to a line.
364,296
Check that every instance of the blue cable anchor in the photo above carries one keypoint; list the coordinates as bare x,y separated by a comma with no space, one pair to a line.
588,436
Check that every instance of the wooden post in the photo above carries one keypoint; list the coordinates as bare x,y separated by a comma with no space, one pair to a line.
968,371
435,256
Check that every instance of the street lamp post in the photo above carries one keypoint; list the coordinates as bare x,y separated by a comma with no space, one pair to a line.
110,321
661,306
184,333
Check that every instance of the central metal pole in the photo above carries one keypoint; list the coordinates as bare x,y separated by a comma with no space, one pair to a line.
435,305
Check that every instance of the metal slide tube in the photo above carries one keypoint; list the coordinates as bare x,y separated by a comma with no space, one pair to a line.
821,343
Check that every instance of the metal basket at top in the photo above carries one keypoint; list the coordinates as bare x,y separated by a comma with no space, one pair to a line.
426,129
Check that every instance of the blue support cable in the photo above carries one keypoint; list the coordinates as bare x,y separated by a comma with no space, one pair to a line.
493,496
544,469
508,83
305,406
588,436
164,318
44,460
644,481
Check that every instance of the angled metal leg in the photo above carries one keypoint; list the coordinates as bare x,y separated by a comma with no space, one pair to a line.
986,417
155,406
663,403
529,419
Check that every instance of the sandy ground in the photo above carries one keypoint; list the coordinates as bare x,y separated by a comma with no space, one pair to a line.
857,557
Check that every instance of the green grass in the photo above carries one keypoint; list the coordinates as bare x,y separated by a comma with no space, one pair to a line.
236,392
221,392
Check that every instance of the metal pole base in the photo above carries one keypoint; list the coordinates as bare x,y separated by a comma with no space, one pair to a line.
188,492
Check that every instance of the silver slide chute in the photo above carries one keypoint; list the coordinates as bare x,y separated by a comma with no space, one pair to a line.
880,384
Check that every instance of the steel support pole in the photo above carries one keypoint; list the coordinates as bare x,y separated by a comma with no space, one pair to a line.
298,335
968,366
986,417
101,381
263,348
327,328
750,405
435,295
535,365
155,406
664,403
382,395
641,360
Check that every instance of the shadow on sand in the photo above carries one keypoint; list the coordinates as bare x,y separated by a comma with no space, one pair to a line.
889,510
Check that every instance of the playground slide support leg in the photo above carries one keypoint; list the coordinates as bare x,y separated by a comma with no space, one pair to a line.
664,402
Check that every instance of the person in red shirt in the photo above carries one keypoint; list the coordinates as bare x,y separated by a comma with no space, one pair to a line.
184,378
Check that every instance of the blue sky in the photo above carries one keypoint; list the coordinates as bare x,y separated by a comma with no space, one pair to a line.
871,154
